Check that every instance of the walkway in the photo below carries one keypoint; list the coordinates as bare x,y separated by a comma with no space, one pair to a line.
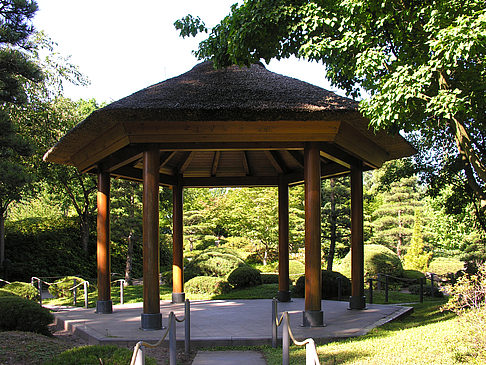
225,322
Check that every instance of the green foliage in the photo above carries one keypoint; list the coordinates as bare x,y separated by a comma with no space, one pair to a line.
61,287
412,274
7,293
24,290
269,278
212,263
377,260
445,265
207,285
295,267
416,258
329,285
427,290
244,276
96,355
19,314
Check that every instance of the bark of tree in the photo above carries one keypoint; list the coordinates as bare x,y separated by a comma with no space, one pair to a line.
128,266
2,237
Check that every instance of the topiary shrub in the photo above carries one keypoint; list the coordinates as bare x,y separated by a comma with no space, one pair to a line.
445,265
96,355
412,274
295,267
60,288
245,276
19,314
427,290
378,259
329,285
6,293
24,290
207,285
269,278
212,263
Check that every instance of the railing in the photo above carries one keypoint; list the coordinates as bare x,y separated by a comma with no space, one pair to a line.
138,357
5,281
75,292
310,346
122,287
386,281
39,286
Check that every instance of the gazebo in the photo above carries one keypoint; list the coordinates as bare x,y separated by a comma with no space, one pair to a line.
229,127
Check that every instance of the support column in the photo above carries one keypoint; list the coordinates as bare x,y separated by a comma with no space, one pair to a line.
178,295
104,304
357,299
313,316
283,241
151,316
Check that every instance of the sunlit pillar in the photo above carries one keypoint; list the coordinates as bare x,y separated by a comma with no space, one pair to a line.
178,295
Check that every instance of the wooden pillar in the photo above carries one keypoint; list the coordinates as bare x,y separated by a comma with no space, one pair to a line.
313,316
151,316
283,241
104,304
178,295
357,299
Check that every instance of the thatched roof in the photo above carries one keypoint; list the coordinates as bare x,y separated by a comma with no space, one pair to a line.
229,95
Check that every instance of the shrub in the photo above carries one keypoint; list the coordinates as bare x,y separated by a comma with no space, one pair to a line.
329,285
445,265
378,259
7,293
96,355
295,267
19,314
245,276
412,274
212,263
61,287
427,290
269,278
24,290
207,285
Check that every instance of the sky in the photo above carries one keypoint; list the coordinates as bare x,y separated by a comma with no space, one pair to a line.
123,46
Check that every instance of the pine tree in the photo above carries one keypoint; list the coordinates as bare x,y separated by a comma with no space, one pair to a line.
15,70
416,258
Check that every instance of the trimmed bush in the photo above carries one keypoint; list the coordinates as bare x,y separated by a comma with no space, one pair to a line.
24,290
245,276
96,355
415,289
6,293
19,314
412,274
329,285
378,259
269,278
207,285
60,288
445,265
295,267
212,263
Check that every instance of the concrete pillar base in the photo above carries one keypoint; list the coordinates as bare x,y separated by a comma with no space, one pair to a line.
313,319
104,306
283,296
357,302
178,297
151,321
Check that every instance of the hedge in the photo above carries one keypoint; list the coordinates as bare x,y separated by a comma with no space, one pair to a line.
245,276
24,290
207,285
329,285
19,314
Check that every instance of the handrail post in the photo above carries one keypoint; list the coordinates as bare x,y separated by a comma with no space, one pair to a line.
187,327
285,340
172,340
122,282
370,291
85,285
75,291
39,286
386,288
140,359
274,323
421,290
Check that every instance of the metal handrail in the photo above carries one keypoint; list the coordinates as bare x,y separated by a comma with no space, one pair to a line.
310,347
5,281
85,286
138,357
122,287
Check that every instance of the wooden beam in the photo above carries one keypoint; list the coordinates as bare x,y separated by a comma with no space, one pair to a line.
134,174
231,131
125,156
151,300
214,165
186,162
230,181
230,146
274,162
104,304
297,157
177,244
246,165
334,154
165,158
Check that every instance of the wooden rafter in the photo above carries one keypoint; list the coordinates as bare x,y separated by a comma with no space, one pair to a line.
166,157
276,161
246,166
186,162
214,165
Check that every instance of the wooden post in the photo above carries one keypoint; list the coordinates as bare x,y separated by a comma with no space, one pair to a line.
357,299
151,316
104,304
178,295
283,241
313,316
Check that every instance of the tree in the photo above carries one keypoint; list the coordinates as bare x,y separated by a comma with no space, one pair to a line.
15,69
421,62
416,257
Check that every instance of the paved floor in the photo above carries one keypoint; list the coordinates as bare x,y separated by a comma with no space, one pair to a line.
225,322
228,358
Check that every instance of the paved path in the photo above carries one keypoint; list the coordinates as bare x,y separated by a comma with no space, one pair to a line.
229,358
225,322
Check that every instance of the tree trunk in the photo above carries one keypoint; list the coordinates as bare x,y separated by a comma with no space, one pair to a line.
265,255
2,237
84,226
128,266
400,238
333,223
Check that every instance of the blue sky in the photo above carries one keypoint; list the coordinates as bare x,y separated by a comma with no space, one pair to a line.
123,46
